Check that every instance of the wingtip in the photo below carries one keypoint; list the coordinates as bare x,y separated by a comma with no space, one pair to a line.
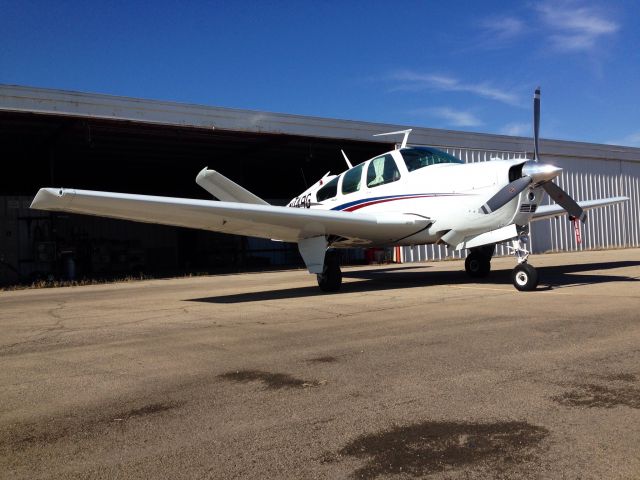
204,173
51,198
201,174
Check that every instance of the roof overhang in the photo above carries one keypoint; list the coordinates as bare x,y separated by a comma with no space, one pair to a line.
98,106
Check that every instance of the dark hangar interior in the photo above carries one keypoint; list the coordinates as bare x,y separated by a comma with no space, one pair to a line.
146,158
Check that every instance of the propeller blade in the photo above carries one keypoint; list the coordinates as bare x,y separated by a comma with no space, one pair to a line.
506,194
536,122
563,199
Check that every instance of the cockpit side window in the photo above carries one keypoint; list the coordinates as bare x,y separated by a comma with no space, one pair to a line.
382,170
419,157
352,179
330,190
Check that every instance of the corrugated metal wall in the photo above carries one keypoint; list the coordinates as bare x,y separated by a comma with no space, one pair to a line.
614,226
584,179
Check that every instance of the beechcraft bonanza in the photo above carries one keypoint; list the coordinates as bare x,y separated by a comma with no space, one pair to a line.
408,196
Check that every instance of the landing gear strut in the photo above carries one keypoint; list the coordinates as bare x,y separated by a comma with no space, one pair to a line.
523,276
330,279
478,262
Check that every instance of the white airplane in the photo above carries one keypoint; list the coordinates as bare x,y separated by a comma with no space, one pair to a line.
408,196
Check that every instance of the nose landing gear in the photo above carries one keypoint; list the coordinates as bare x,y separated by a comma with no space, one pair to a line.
523,276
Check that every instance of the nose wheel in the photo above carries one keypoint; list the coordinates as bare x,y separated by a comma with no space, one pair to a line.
523,276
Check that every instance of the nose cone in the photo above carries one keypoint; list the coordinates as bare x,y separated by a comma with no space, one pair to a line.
541,172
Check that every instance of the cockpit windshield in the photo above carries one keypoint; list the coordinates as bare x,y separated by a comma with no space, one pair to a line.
419,157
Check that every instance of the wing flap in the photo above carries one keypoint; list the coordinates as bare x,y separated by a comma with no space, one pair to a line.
490,237
264,221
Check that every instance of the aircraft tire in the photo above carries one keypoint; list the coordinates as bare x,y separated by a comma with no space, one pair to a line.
486,250
477,265
330,280
525,277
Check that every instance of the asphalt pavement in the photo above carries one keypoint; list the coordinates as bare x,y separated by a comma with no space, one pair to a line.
411,371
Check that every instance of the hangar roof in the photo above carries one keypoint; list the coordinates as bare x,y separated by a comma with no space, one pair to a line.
107,107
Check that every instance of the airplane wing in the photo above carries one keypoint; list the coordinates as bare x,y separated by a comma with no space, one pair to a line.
554,210
264,221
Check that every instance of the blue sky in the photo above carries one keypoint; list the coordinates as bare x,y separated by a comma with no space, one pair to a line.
460,65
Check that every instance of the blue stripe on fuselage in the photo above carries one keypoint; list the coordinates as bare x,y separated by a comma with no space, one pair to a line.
373,199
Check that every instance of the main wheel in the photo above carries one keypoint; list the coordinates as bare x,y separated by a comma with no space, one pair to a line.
477,265
330,280
486,250
525,277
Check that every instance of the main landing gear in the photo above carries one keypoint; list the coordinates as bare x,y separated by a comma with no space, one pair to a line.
330,279
478,262
523,276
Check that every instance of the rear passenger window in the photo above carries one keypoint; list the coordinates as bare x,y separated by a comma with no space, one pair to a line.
352,179
382,170
328,191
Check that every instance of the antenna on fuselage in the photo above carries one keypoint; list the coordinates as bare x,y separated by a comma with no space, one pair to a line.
404,140
346,159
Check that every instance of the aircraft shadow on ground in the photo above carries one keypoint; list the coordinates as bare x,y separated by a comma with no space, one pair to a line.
394,278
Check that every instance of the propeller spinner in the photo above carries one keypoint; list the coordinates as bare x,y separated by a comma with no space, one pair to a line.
537,174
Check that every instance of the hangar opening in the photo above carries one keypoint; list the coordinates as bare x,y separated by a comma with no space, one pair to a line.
132,157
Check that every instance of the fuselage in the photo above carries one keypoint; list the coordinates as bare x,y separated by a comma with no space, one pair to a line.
425,182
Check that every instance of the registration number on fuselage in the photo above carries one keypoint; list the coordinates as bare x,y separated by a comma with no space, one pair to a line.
301,202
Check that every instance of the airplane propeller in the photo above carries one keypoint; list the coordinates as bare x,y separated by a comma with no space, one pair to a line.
536,123
506,194
565,201
539,174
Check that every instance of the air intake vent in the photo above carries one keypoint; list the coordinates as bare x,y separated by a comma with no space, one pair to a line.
528,208
515,172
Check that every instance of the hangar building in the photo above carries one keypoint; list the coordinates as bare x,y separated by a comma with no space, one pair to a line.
102,142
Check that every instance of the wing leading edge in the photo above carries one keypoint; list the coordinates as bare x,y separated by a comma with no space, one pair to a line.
554,210
256,220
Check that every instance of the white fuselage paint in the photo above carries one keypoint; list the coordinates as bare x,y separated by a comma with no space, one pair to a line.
450,194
